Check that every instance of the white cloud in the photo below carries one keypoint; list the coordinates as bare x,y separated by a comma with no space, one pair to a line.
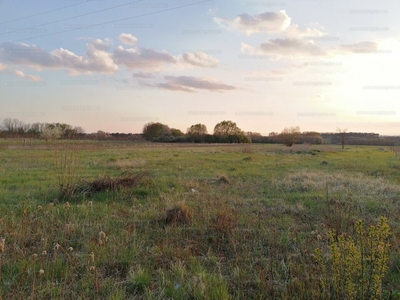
127,39
97,59
267,22
199,59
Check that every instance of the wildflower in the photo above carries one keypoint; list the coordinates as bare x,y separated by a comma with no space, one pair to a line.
44,253
41,272
90,203
102,238
70,249
92,268
66,205
51,204
57,246
91,257
34,256
39,207
2,245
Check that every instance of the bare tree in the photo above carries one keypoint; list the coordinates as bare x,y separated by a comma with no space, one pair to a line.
342,133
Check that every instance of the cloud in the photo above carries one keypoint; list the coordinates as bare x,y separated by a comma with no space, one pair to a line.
21,74
97,59
143,75
362,47
285,47
127,39
294,31
268,22
199,59
2,67
192,84
141,58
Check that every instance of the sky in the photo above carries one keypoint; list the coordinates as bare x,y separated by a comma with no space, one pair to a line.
266,65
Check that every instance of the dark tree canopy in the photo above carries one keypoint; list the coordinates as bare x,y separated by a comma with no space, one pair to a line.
155,130
228,131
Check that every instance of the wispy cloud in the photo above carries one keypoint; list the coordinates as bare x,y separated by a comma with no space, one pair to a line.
192,84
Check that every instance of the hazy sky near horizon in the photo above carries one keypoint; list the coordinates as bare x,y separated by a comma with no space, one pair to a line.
266,65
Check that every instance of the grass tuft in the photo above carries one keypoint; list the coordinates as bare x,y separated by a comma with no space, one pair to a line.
178,215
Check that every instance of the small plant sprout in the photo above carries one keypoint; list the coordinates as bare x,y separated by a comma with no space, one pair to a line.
91,258
2,245
102,238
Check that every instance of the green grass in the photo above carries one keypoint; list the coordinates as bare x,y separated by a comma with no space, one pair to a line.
251,238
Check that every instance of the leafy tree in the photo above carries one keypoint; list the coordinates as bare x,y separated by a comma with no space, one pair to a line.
290,135
176,132
155,130
197,132
226,128
228,131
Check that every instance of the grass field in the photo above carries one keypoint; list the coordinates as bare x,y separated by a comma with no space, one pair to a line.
122,220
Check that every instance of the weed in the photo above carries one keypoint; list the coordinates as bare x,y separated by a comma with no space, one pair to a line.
355,267
178,215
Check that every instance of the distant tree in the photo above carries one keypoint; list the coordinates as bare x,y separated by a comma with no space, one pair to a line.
228,131
226,128
289,136
155,130
101,135
310,137
176,132
255,137
51,133
12,125
197,132
342,134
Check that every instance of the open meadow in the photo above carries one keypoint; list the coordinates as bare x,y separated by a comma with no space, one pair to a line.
124,220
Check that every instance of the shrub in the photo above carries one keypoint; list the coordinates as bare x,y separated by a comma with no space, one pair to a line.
355,267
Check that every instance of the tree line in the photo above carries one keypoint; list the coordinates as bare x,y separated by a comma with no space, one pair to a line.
224,132
48,131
